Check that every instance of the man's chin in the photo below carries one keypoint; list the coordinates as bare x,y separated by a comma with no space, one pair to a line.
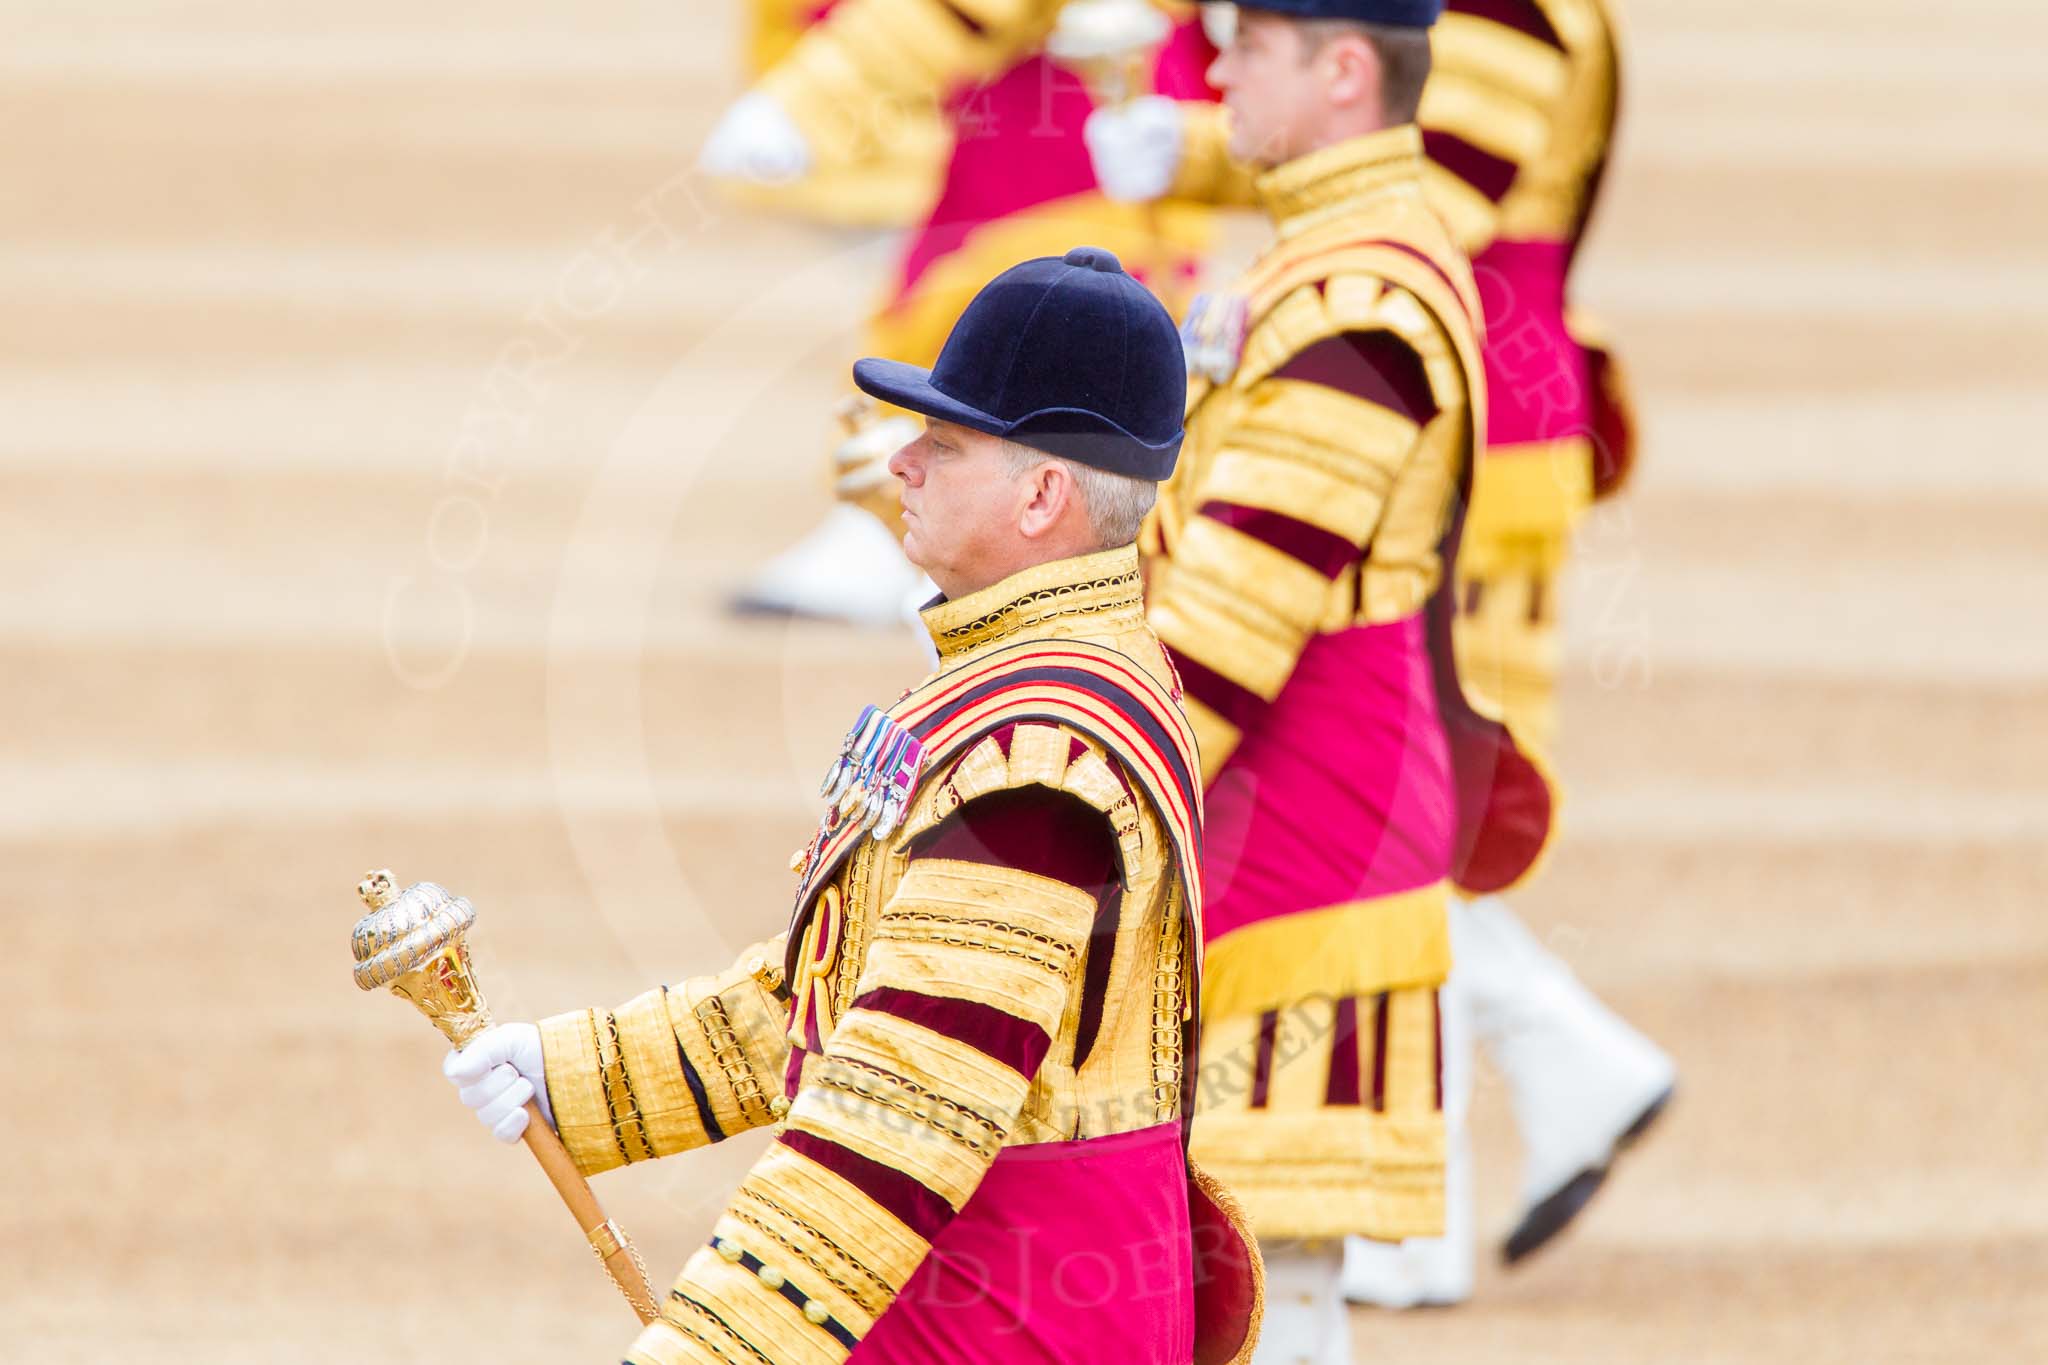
1239,143
1247,152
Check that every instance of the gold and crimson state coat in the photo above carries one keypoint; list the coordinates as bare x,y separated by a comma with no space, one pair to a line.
1335,401
1518,121
1357,253
926,1018
855,75
1518,117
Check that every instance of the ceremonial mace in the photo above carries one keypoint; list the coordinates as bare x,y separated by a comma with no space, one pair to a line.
416,942
1111,44
860,462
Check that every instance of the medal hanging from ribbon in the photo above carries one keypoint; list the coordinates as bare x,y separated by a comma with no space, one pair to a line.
875,775
1213,336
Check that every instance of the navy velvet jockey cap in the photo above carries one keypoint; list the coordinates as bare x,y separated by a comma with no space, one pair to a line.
1391,13
1068,355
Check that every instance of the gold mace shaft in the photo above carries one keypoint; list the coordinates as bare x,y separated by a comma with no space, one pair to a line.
416,942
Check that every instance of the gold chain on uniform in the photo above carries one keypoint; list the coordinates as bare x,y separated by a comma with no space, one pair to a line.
608,1237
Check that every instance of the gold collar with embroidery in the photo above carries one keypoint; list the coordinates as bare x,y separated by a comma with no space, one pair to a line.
1041,601
1310,189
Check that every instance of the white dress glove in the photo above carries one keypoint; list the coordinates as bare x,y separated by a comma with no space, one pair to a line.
1136,147
871,446
500,1070
756,140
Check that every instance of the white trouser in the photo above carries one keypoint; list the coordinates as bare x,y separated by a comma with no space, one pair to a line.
850,567
1306,1323
1577,1075
1432,1270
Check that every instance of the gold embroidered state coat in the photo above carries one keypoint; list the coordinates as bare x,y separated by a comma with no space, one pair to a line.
882,1035
1519,117
1312,500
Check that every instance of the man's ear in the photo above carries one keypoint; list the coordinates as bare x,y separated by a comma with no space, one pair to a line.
1051,491
1356,76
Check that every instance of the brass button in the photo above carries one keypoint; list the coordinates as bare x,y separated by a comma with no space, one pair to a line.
770,1276
731,1251
779,1105
817,1312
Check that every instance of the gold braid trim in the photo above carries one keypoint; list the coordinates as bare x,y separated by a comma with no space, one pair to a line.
1125,823
872,1301
1122,590
1167,1056
731,1057
923,926
853,930
697,1333
1227,1205
622,1106
829,1076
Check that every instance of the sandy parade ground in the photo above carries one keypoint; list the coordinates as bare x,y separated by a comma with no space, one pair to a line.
385,411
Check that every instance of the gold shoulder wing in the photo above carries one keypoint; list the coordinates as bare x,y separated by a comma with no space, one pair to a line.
1039,754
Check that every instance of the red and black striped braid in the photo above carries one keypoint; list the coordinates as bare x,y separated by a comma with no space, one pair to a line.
1289,272
1094,690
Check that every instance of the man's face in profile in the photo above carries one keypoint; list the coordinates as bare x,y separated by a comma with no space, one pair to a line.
961,504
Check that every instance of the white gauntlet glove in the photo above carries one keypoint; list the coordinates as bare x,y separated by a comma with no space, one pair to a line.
756,140
861,461
500,1070
1136,147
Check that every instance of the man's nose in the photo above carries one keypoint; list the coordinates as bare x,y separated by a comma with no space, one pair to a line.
905,461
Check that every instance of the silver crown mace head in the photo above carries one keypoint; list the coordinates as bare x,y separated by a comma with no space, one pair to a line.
404,929
416,942
1106,30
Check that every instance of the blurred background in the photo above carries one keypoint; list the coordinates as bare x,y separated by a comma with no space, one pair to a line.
387,411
